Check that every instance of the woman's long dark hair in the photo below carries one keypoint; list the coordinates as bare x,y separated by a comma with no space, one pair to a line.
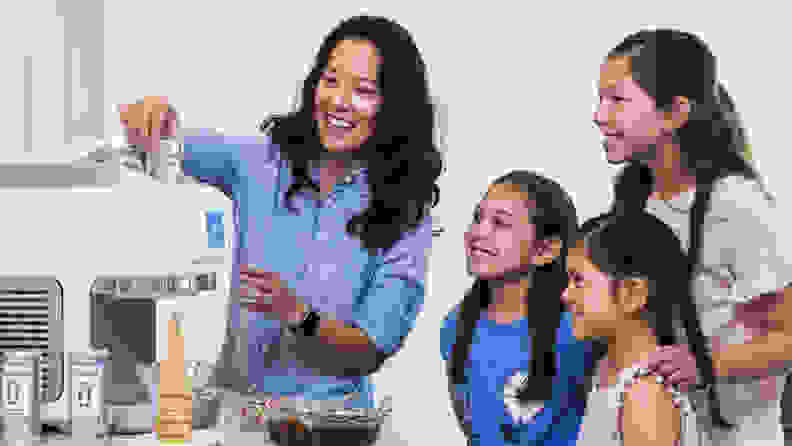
712,142
554,216
402,159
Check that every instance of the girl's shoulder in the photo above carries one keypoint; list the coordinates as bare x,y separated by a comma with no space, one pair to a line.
641,383
736,195
637,398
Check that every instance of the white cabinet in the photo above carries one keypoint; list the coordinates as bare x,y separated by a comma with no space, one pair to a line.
83,53
53,76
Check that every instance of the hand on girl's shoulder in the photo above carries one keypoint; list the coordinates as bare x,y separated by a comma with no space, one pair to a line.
650,416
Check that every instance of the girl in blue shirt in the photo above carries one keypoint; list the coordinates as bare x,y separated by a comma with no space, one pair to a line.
516,373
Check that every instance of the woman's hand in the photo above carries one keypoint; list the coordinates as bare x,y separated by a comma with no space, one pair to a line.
754,317
750,325
271,293
755,314
676,365
147,121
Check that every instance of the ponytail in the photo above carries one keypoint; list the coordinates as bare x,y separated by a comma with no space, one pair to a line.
689,311
739,139
631,191
544,320
476,300
728,112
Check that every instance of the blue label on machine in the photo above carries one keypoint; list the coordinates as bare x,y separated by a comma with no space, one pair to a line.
215,229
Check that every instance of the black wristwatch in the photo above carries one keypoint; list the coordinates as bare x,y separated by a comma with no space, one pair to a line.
309,325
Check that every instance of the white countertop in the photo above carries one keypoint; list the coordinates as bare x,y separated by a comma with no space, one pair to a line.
201,437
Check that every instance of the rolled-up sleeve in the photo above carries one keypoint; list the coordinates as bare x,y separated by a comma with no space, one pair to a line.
208,157
762,261
388,311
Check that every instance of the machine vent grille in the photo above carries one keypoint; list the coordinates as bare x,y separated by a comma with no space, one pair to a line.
31,320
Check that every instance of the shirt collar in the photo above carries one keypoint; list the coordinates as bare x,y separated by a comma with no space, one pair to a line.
681,203
358,174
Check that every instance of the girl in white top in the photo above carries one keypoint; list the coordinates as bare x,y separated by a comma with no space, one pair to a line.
627,277
664,113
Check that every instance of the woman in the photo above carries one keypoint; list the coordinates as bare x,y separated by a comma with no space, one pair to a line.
333,205
514,368
627,286
673,125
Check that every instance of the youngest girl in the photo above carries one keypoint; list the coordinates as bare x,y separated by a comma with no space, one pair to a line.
627,286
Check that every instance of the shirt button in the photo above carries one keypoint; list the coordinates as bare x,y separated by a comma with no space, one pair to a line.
348,180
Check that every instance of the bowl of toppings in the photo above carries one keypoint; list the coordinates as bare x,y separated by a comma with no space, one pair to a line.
329,426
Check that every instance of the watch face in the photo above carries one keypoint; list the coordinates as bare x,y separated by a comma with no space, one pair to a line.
307,326
311,323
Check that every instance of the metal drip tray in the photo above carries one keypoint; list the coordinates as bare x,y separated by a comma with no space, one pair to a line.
136,418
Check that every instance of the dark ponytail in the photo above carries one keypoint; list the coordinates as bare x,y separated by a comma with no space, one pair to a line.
689,311
631,194
475,300
632,189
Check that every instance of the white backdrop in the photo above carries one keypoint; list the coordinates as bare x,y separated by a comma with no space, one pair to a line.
517,81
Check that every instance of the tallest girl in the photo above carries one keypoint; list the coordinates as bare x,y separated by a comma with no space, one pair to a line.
664,113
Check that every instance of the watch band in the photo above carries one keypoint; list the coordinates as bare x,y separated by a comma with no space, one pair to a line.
309,324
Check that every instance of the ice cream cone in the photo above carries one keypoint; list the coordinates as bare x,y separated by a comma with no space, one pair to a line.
174,422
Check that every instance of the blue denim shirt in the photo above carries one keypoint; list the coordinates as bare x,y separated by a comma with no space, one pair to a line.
499,350
382,294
